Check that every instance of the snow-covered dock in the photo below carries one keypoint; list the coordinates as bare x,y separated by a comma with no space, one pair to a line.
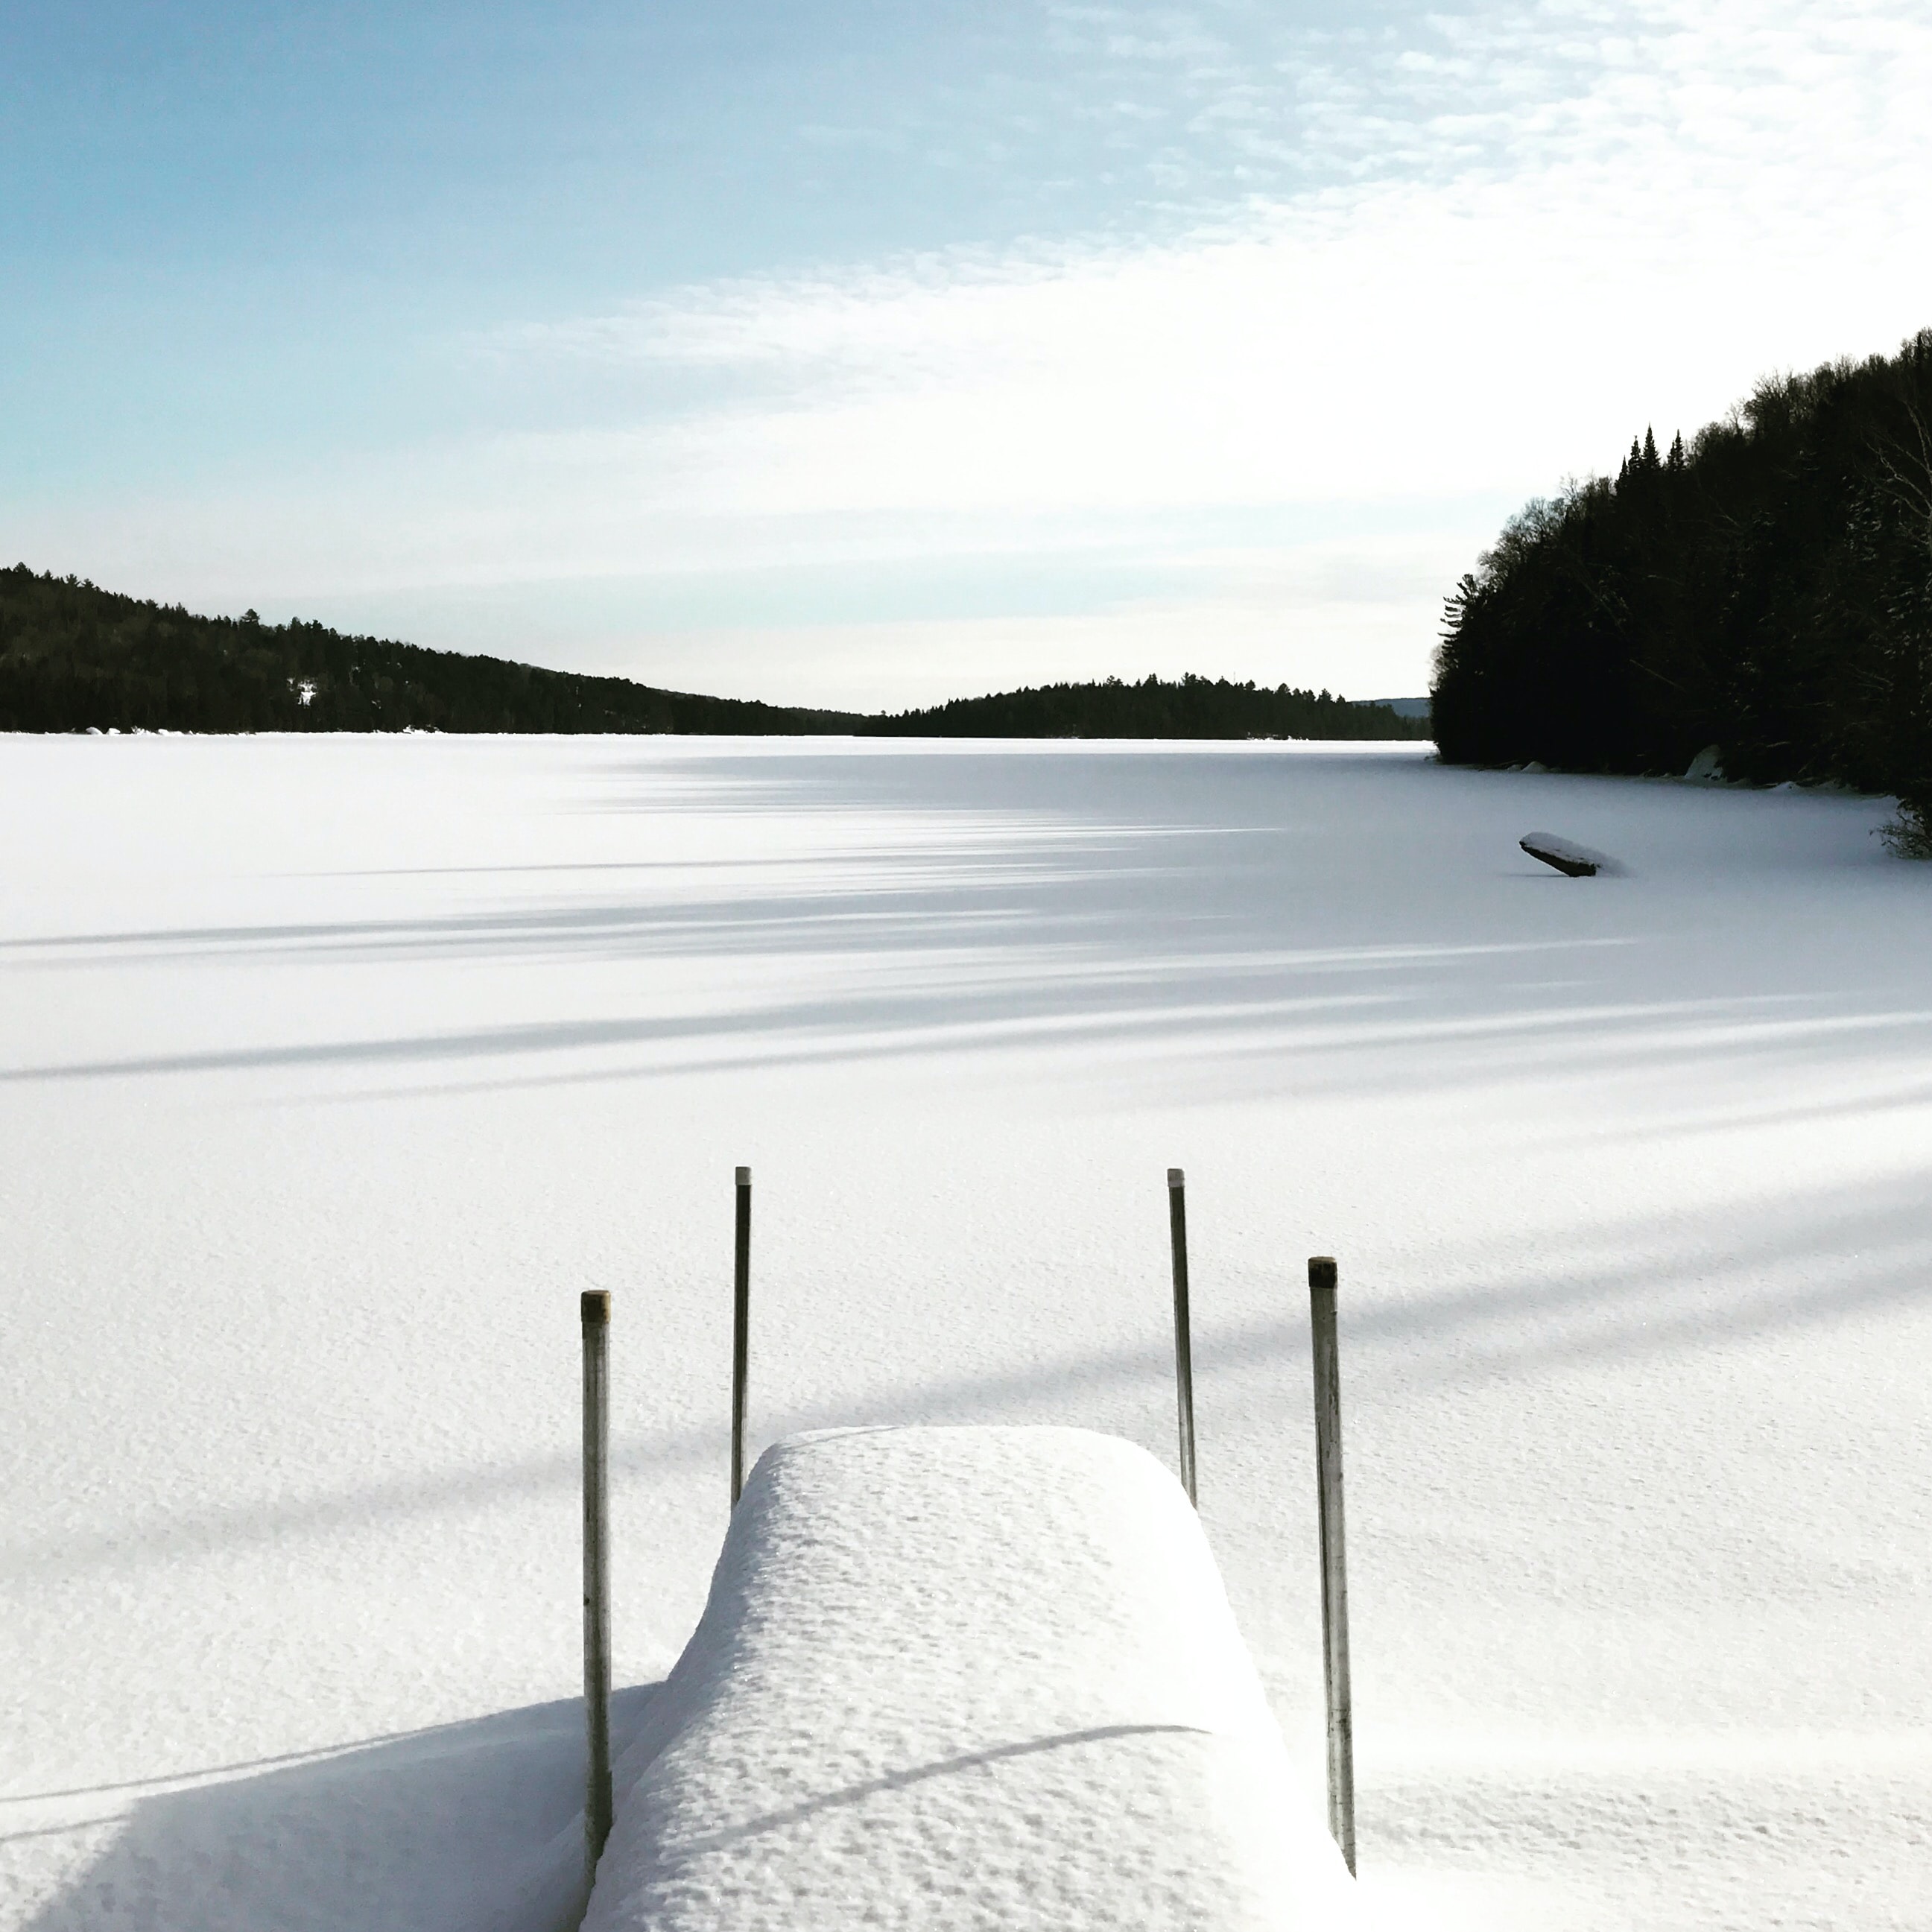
963,1677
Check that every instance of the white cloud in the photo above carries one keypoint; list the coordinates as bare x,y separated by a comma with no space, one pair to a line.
1666,203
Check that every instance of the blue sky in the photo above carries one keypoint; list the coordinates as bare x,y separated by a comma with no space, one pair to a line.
876,353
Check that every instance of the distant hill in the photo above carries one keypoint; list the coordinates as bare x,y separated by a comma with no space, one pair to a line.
1191,707
75,658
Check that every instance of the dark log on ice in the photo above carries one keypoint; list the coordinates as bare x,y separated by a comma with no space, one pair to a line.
1573,861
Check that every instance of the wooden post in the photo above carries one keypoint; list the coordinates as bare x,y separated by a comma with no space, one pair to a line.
1184,1340
741,1332
1321,1280
596,1311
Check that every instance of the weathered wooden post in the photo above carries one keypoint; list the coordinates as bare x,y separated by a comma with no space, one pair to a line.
1321,1281
1184,1340
741,1331
596,1313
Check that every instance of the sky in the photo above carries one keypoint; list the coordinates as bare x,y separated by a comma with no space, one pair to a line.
878,353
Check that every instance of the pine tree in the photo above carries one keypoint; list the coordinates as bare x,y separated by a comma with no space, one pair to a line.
1781,608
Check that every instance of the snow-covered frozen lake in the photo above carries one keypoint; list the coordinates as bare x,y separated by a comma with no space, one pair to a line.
334,1069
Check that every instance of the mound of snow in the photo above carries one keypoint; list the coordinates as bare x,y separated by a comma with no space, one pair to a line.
963,1677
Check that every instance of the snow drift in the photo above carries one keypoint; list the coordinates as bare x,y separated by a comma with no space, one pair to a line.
963,1677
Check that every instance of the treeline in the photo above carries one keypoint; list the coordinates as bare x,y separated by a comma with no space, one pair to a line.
74,658
1190,707
1767,589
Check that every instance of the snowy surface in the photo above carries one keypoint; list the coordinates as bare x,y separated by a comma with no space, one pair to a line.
967,1678
335,1069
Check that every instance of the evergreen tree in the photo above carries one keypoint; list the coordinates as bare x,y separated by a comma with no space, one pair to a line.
1768,590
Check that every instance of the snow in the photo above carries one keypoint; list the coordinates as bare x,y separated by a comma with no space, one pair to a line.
337,1068
964,1677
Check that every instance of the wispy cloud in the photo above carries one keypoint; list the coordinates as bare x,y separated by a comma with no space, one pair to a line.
1582,216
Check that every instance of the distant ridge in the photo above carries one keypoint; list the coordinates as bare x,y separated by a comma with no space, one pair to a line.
75,658
1188,707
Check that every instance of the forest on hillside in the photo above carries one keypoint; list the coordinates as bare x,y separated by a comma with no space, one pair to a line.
1186,707
1767,589
75,658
